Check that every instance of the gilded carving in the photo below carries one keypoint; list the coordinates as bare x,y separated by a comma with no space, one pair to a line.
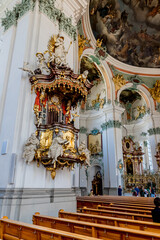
82,42
99,101
55,146
69,136
141,111
46,139
119,81
155,91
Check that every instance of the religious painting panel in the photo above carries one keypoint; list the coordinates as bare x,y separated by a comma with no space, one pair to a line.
95,143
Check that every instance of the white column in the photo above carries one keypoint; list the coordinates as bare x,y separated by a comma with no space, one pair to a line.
112,149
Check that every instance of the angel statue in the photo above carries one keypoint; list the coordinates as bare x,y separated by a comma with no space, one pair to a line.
84,151
57,50
56,148
30,147
42,65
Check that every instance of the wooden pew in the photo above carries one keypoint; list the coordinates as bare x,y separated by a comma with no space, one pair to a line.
123,209
112,213
14,230
93,204
99,231
112,221
134,201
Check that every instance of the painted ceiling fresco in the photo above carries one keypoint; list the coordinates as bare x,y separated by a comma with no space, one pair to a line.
94,76
130,29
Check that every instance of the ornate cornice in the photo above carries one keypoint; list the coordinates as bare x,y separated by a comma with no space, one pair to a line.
111,124
47,7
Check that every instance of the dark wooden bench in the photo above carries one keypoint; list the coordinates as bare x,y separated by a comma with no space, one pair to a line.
123,209
14,230
112,213
93,204
112,221
135,201
99,231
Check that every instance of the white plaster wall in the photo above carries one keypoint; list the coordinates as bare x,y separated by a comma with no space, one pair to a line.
12,96
6,52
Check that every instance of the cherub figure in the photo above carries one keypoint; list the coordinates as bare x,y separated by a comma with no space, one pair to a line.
42,65
30,147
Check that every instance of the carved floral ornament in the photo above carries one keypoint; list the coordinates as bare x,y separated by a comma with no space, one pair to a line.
58,91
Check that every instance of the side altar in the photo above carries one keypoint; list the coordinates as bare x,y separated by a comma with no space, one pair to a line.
58,91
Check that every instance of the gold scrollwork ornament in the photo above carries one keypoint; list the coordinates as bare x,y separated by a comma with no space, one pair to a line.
155,91
119,81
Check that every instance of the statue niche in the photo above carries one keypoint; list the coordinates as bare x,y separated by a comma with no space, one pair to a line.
57,91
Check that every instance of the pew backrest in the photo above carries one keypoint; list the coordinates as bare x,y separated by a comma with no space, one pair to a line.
112,221
14,230
100,231
112,213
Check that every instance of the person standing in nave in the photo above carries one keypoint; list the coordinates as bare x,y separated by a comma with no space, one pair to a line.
153,192
119,190
156,211
137,190
142,192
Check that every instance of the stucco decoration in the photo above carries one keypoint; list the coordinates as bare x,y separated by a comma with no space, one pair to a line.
30,147
154,131
129,29
120,165
83,130
65,23
143,134
135,79
111,124
47,7
134,104
18,11
100,51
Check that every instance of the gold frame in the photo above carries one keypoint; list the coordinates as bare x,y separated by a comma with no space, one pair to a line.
95,143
